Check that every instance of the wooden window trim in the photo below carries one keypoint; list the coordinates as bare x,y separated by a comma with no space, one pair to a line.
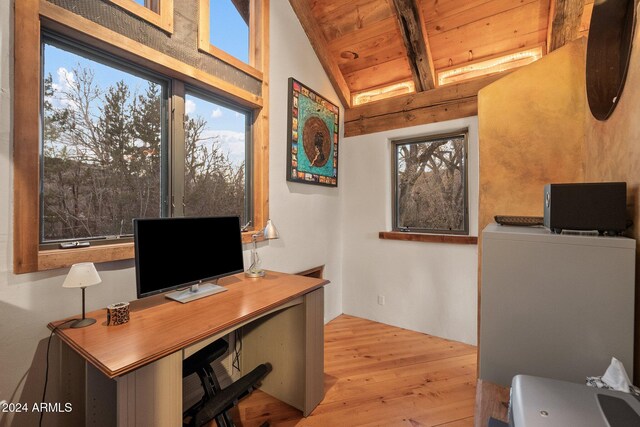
428,238
71,25
162,19
27,255
257,8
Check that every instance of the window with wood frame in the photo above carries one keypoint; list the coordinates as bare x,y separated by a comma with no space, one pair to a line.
104,146
227,30
430,184
156,12
70,184
105,149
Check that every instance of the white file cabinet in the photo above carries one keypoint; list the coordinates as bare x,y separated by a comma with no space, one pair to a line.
556,306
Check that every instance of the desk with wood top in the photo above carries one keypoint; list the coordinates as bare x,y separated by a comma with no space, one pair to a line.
136,367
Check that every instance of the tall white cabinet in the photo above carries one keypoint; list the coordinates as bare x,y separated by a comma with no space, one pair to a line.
557,306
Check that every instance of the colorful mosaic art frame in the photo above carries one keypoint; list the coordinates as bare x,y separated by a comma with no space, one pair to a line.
312,141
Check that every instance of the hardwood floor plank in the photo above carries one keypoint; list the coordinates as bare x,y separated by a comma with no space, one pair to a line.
465,422
380,375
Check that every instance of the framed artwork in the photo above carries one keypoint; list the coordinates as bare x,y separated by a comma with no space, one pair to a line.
312,143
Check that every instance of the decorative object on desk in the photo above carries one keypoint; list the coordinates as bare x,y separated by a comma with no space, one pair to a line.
118,313
80,276
312,141
269,232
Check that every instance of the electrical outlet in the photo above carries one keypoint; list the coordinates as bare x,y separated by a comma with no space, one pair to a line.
381,300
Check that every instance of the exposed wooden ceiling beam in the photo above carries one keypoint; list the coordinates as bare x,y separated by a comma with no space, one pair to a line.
414,33
443,103
303,11
564,22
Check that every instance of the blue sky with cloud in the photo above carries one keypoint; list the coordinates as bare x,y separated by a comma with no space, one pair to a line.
225,125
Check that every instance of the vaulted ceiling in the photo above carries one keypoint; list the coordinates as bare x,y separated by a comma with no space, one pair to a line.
376,49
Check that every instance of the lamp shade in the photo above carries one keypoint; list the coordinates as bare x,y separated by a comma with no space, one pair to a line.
270,231
82,275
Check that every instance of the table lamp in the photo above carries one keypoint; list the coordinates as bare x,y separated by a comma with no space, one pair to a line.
80,276
269,232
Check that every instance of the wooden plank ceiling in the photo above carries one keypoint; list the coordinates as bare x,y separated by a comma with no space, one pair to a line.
401,46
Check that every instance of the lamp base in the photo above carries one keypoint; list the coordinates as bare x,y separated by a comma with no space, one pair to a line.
83,322
254,273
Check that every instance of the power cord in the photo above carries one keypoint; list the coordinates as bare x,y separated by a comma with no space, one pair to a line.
46,372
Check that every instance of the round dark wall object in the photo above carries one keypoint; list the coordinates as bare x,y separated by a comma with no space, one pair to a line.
608,54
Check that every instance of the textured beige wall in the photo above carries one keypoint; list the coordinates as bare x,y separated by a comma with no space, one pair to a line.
535,127
531,125
612,153
531,132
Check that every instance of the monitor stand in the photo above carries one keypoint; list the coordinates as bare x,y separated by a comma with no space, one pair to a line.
194,292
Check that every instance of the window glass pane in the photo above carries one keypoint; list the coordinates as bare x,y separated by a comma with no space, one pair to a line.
154,5
216,159
430,191
229,27
101,147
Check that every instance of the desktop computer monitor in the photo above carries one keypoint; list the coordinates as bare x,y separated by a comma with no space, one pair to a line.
173,253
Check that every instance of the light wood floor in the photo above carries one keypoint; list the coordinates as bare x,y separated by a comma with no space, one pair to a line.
380,375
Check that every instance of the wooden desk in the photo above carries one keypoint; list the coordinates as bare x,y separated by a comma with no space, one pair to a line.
137,367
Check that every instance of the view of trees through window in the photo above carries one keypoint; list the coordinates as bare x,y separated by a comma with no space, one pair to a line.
215,159
104,150
430,192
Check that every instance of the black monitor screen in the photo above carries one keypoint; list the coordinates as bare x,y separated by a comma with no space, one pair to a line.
177,252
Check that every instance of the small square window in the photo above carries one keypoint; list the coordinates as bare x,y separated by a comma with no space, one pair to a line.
430,184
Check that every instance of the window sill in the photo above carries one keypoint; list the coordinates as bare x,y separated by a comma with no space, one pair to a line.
231,60
60,258
428,238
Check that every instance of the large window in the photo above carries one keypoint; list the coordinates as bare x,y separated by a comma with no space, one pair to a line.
105,149
102,133
103,146
430,184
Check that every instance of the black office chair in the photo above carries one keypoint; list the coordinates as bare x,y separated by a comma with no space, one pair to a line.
216,401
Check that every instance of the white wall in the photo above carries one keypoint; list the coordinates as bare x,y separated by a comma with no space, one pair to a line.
307,217
428,287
